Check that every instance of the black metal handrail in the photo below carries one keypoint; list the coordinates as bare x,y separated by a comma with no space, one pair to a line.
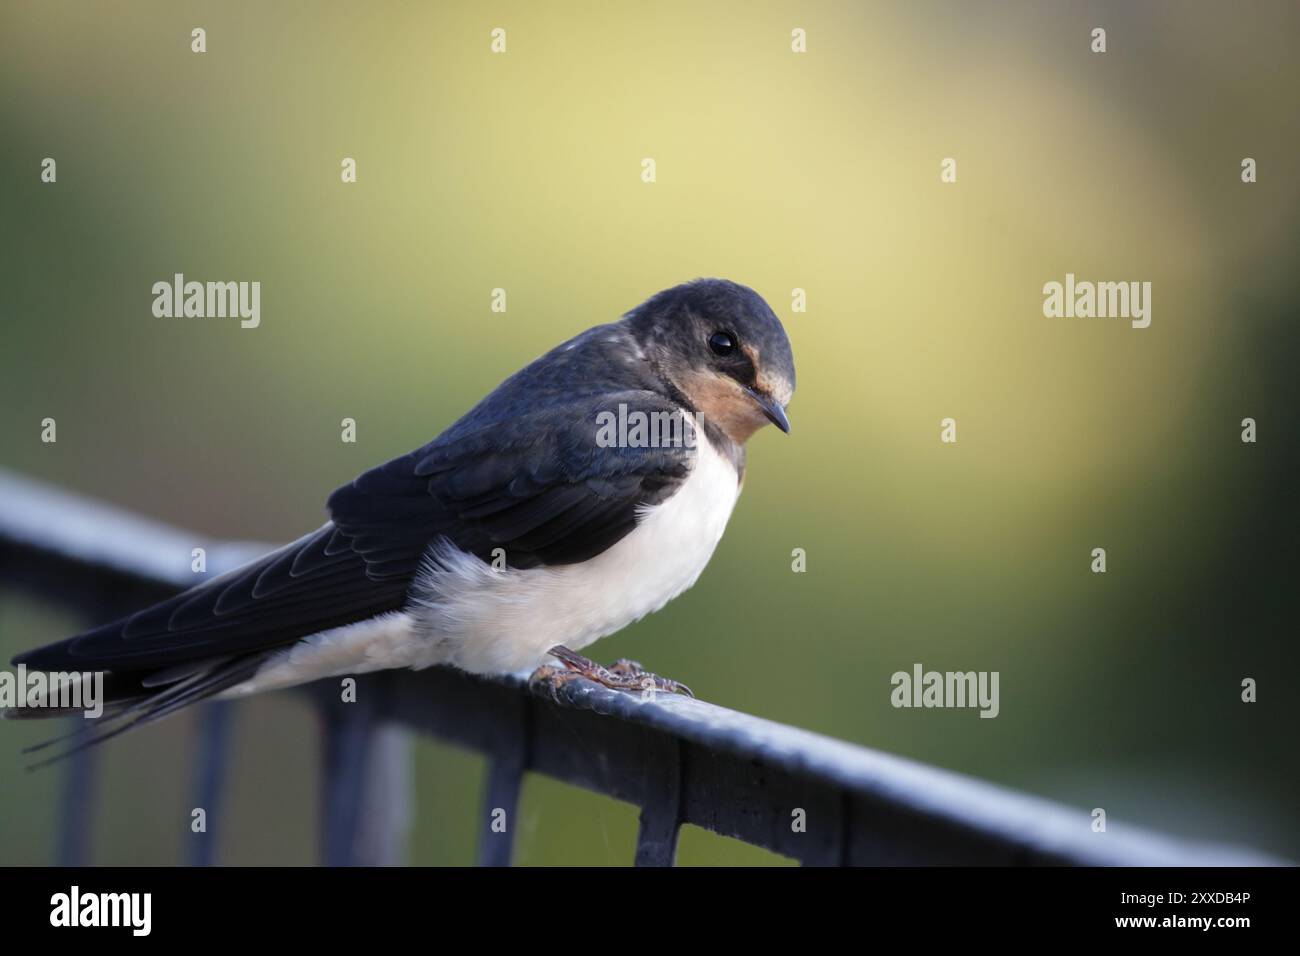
679,760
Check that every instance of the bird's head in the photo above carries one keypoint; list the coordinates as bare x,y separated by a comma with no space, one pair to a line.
724,349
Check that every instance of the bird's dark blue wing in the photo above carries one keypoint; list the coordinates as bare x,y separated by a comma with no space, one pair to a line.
535,484
538,486
313,584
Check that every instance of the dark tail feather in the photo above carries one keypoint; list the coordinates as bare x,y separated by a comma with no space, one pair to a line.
146,709
123,700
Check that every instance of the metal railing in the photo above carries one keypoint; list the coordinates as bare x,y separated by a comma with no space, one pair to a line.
679,760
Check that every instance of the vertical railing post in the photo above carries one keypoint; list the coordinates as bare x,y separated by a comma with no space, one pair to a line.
80,781
661,813
77,804
508,759
210,766
366,780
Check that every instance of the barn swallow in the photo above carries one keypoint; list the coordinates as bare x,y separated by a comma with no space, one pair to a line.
513,538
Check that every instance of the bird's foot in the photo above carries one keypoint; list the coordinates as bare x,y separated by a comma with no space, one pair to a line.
621,675
547,680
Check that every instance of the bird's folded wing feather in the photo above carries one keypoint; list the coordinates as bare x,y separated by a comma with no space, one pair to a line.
536,485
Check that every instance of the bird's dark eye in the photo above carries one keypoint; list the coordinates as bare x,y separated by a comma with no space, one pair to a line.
722,343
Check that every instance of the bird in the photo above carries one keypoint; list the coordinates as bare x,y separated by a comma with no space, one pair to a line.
524,532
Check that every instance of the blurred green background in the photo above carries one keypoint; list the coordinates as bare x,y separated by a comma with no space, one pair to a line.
817,171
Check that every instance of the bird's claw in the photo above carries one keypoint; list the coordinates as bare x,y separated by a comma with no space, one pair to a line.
547,680
621,675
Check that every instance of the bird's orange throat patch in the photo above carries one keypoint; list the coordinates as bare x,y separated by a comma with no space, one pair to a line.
722,402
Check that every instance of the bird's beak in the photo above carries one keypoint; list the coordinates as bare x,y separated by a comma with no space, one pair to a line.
774,412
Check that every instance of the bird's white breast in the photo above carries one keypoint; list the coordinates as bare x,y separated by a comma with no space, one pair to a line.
490,621
465,613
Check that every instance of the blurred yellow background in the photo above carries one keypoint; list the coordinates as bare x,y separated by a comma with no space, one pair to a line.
817,171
